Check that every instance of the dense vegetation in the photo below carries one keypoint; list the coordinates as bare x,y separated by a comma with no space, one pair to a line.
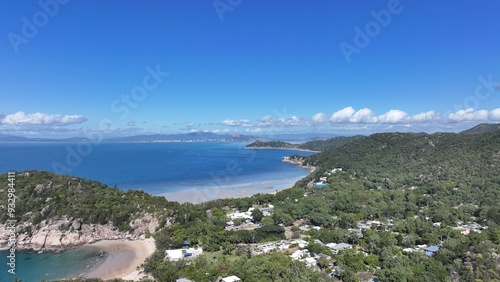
423,186
316,145
44,195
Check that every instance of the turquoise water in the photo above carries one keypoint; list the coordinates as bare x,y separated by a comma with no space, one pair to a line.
157,168
32,267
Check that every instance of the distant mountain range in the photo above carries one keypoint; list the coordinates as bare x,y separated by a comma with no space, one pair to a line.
187,137
324,139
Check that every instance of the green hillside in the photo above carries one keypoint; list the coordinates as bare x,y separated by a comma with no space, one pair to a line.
315,145
44,195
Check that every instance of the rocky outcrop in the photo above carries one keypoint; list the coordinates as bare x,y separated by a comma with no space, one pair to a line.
297,160
59,235
37,242
146,224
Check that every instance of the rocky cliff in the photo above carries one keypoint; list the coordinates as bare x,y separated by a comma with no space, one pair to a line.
62,234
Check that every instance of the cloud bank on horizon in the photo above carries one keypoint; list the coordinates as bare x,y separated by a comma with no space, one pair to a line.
347,119
349,115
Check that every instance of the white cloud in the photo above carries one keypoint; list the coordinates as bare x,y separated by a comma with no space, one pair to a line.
343,115
266,118
291,121
426,117
350,115
265,121
319,118
364,115
240,122
131,123
469,115
495,114
365,119
393,116
23,119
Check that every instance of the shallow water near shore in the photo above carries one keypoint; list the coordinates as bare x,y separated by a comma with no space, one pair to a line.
33,267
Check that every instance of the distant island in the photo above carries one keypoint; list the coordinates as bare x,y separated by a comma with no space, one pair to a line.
315,146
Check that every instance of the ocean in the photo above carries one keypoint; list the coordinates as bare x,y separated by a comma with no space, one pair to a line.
156,168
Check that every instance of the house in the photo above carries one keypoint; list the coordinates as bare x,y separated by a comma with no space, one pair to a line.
268,209
318,256
431,250
317,241
335,248
307,228
243,215
183,280
232,278
356,231
299,254
178,254
301,243
310,262
320,184
465,230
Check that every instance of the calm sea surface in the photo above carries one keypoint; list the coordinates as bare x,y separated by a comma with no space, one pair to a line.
157,168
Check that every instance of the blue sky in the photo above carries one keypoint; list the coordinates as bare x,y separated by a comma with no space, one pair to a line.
71,68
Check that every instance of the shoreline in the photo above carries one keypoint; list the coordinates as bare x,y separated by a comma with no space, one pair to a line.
196,196
280,148
123,258
216,192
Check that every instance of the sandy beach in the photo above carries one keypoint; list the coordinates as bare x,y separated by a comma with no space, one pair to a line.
123,258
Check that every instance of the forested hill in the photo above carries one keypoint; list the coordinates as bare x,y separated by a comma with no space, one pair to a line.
315,145
469,163
418,156
482,128
44,195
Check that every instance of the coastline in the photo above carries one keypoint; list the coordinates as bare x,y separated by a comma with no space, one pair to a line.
280,148
196,196
123,258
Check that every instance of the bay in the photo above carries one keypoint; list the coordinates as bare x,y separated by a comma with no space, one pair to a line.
156,168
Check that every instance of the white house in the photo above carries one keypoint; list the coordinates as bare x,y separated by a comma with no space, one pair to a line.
178,254
299,254
232,278
310,262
